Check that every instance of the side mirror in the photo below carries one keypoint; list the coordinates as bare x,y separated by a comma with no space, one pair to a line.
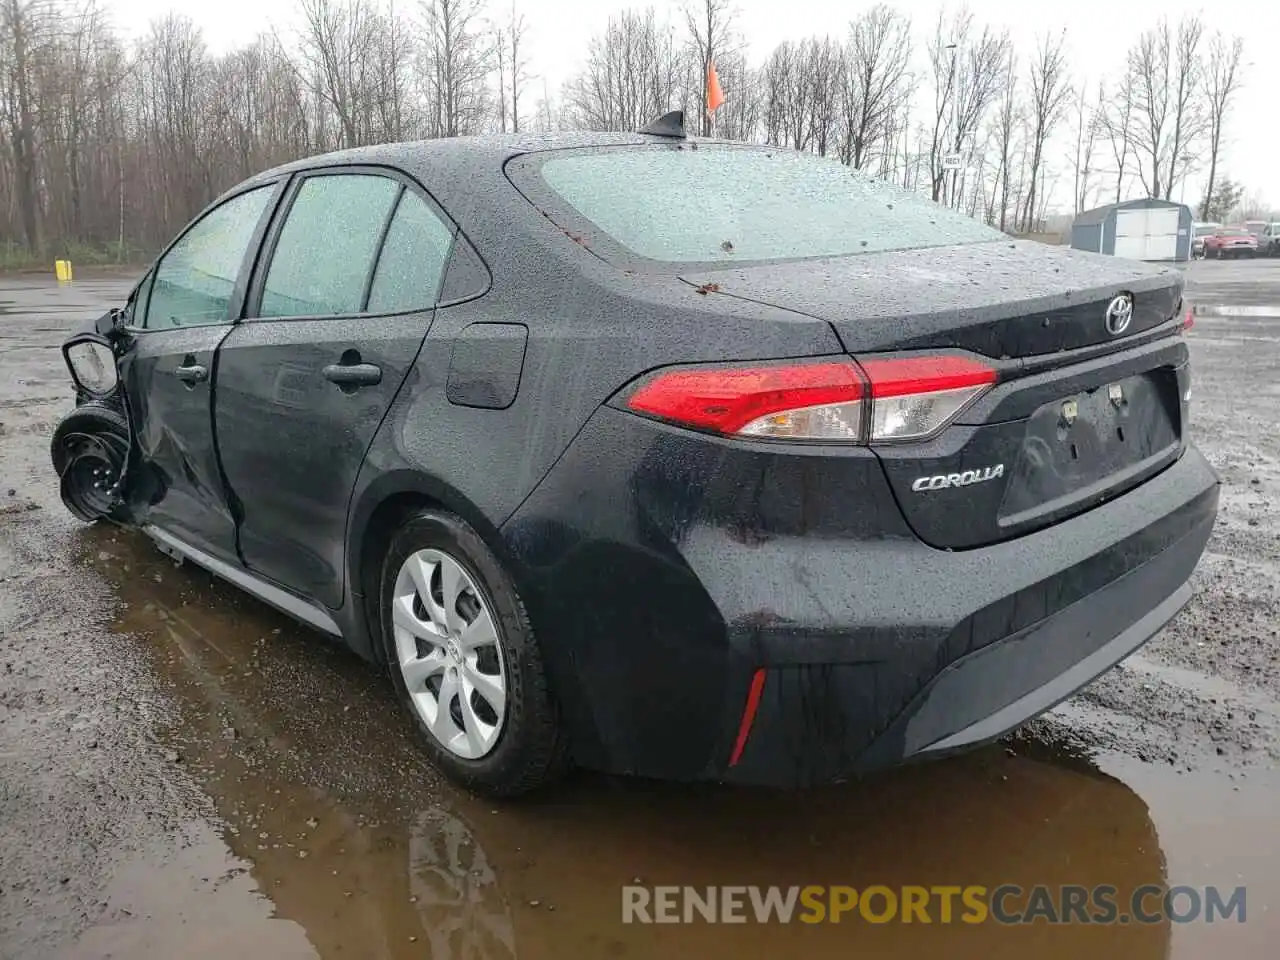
92,363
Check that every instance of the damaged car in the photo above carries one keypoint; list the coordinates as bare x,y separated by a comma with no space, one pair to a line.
653,454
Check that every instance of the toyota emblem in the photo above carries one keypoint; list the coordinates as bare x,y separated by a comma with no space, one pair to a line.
1119,313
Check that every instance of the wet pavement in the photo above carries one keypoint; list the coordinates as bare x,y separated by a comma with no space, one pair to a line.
185,772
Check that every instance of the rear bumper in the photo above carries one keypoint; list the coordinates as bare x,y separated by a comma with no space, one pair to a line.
984,694
660,592
1049,628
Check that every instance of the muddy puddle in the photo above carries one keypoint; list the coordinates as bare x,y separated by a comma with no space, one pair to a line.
314,775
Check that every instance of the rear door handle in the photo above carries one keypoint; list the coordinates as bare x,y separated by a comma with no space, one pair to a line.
192,373
353,374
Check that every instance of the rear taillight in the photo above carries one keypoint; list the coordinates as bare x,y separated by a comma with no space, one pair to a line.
795,401
916,397
1189,318
884,399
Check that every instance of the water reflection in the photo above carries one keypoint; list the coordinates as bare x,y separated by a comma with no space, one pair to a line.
463,910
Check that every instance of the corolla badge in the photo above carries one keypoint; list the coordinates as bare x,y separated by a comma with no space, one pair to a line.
944,481
1119,313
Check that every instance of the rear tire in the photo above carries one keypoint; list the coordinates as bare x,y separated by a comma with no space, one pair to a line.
465,661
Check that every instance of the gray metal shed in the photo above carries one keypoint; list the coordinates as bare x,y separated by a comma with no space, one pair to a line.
1143,229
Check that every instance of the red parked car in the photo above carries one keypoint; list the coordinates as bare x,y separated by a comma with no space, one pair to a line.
1230,242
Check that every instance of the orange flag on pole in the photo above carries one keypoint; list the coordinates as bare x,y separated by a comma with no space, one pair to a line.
714,95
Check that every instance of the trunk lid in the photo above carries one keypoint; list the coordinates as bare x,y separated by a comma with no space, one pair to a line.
1080,414
1003,299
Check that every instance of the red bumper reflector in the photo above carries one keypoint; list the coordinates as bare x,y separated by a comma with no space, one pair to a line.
748,716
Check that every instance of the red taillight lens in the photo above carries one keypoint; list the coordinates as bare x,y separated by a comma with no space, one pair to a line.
914,397
801,401
903,398
1189,320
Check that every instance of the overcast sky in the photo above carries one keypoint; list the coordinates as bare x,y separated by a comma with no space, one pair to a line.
1098,34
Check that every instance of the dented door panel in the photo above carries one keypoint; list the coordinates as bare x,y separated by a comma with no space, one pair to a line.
170,404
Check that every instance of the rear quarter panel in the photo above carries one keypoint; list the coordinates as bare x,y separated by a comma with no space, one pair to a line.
591,329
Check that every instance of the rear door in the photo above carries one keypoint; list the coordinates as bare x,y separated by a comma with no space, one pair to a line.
337,312
183,312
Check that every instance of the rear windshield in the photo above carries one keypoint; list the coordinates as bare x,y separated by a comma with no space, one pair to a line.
732,204
1234,232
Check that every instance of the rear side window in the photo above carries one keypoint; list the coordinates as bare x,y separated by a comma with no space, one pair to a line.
412,260
326,247
684,205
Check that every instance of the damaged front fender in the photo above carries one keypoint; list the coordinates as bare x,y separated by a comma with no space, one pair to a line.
92,445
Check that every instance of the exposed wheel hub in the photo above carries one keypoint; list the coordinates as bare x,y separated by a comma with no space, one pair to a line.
92,473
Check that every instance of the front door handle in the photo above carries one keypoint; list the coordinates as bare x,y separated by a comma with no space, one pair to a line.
192,373
353,374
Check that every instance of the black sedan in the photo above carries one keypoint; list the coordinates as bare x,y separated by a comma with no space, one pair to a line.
655,455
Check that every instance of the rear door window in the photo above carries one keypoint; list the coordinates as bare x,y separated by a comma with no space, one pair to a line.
412,261
325,250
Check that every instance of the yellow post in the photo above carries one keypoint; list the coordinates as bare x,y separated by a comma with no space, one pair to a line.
62,269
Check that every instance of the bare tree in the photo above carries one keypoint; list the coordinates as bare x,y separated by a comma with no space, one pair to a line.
1117,121
739,116
1049,92
337,51
1163,72
802,82
456,55
781,89
824,67
876,81
108,146
1087,126
1189,117
710,25
24,22
545,111
500,63
518,62
1222,79
633,73
968,72
114,146
1008,120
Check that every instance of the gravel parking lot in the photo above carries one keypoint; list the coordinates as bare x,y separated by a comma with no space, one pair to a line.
184,772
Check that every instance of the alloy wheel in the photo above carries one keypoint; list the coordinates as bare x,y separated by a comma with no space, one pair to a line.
449,653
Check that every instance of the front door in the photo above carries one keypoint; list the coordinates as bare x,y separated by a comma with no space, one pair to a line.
336,316
182,313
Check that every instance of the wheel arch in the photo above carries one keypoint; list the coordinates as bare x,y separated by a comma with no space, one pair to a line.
379,510
376,514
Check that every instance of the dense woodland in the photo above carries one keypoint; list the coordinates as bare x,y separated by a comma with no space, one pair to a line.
108,145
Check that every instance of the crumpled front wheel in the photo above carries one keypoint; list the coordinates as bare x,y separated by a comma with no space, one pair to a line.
90,451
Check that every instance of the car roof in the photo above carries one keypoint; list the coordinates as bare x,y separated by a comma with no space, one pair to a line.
456,169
